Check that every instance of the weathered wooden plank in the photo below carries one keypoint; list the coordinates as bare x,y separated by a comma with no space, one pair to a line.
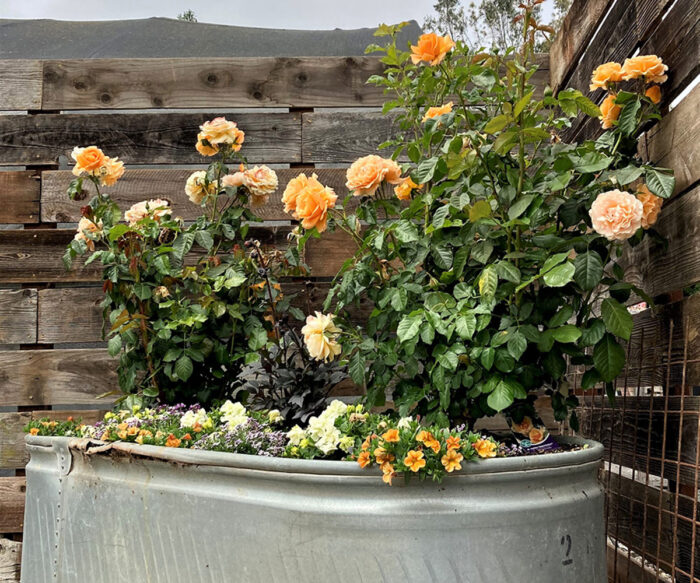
211,82
10,559
630,525
342,137
143,138
624,569
139,184
662,271
56,377
673,143
637,433
19,196
20,84
35,255
18,309
75,315
12,493
573,37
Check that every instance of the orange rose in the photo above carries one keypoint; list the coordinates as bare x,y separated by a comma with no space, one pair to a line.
609,111
431,48
392,436
654,93
404,189
87,159
651,206
111,171
605,74
291,192
451,461
485,448
366,174
363,459
537,435
433,112
205,149
616,215
650,67
221,131
312,204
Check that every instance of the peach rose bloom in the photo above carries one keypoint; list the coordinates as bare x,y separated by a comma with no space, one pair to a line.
313,203
112,171
650,67
261,181
87,227
433,112
204,149
654,93
651,206
609,111
320,337
197,189
233,180
605,74
431,48
404,188
87,159
485,448
616,215
366,174
291,192
221,131
155,207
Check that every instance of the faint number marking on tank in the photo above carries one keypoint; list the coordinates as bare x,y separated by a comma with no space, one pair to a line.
566,540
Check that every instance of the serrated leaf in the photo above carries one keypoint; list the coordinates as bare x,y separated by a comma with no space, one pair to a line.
172,354
561,317
114,345
442,254
184,368
522,103
508,272
567,333
588,270
481,251
520,206
608,358
497,123
617,319
502,396
488,282
592,333
560,275
408,328
660,183
487,357
204,239
406,231
465,325
517,344
356,368
627,122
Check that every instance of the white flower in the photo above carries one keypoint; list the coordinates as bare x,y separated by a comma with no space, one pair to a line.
295,435
404,422
328,441
155,207
197,188
234,414
275,416
335,409
192,418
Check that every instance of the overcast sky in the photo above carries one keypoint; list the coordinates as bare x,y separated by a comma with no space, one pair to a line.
298,14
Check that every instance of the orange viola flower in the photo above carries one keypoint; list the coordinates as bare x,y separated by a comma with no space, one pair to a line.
451,461
431,48
34,431
363,459
654,93
414,460
433,112
485,448
387,473
392,436
121,434
172,441
453,443
609,111
383,456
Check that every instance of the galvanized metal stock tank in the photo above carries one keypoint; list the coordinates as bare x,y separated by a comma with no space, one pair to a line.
101,513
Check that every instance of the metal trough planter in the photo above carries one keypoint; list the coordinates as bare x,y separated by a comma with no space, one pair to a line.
142,514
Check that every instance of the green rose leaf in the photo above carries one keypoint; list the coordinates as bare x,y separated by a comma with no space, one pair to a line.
406,231
480,210
560,275
588,270
356,368
497,123
593,333
408,328
508,272
608,358
504,394
488,282
567,333
517,344
465,325
487,357
204,239
183,367
628,117
114,345
660,183
520,206
617,319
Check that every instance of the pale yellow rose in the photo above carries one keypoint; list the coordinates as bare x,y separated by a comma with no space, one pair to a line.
366,174
111,171
260,181
87,231
221,131
156,208
205,149
616,215
649,67
197,188
320,337
651,206
605,74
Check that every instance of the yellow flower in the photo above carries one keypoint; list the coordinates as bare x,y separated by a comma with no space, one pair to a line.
453,442
260,181
391,436
221,131
154,207
309,201
485,448
387,473
451,461
111,171
320,337
431,48
34,431
363,459
197,188
609,111
414,460
605,74
404,189
131,431
433,112
650,67
651,206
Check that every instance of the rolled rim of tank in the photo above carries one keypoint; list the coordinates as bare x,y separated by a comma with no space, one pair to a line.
590,452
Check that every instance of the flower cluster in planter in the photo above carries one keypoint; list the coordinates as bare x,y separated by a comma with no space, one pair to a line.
341,431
